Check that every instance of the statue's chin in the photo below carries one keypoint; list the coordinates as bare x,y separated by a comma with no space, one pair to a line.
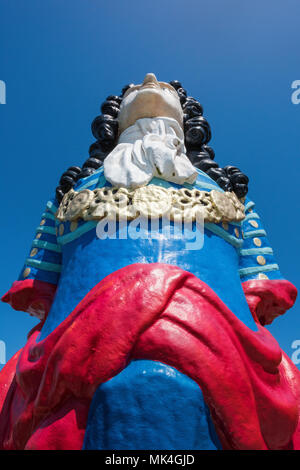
147,103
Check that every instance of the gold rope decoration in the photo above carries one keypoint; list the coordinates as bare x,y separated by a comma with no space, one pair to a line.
151,201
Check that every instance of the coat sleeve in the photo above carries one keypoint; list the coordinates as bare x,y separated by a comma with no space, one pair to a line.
35,288
268,294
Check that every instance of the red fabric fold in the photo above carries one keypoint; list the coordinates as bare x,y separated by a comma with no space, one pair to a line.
162,313
269,298
31,296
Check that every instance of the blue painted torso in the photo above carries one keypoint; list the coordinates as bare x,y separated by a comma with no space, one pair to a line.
86,259
150,405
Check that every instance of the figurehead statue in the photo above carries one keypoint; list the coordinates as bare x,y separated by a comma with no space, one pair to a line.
146,340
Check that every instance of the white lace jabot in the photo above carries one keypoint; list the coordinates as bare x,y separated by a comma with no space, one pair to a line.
150,147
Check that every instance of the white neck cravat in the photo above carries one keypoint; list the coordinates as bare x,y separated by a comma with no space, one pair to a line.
151,147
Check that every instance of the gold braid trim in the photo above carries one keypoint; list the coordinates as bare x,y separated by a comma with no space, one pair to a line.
150,201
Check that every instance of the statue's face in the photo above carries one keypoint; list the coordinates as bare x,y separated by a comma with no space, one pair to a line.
150,99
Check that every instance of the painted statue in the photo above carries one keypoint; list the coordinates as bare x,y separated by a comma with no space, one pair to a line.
150,338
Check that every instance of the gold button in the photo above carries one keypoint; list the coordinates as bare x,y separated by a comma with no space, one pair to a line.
257,241
237,233
262,276
43,221
33,252
73,226
61,229
38,235
26,272
253,223
225,225
261,260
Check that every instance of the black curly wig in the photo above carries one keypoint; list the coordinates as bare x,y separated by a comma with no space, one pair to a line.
197,135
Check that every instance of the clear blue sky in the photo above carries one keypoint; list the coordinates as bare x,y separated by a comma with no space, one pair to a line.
61,59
